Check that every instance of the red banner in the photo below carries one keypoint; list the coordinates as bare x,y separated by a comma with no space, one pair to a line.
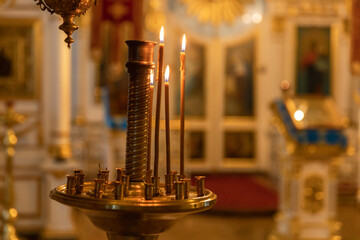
117,11
355,37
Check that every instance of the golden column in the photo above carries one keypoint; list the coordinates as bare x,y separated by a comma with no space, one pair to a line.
9,119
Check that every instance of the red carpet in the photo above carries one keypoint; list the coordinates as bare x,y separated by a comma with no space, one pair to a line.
242,192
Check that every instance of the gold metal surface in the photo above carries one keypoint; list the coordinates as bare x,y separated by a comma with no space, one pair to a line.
9,213
133,217
319,112
313,194
309,150
68,10
60,151
133,208
314,7
216,12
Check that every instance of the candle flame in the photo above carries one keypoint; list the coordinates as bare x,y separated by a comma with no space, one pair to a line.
162,34
183,43
151,78
167,73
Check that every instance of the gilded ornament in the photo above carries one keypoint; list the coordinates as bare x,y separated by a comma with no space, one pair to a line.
314,7
60,152
68,10
215,11
154,20
9,119
128,208
313,194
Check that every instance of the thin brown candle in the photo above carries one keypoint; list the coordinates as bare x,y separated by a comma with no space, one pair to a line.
182,106
158,102
150,124
167,121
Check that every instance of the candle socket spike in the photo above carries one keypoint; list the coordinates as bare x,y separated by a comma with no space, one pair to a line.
169,184
98,192
200,185
187,183
149,191
80,177
156,182
179,190
70,185
119,190
126,181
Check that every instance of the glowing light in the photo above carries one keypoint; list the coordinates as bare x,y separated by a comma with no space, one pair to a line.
162,34
256,18
167,73
285,85
183,45
151,78
299,115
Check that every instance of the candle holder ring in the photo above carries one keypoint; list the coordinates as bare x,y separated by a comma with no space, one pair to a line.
133,217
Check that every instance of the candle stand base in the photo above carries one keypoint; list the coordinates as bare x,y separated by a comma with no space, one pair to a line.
133,218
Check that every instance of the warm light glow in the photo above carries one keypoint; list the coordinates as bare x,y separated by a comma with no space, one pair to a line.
162,34
256,18
183,45
299,115
167,73
246,18
151,78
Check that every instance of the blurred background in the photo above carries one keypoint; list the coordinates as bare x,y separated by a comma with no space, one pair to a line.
241,56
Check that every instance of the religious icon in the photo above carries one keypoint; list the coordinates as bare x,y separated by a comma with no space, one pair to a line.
239,90
5,64
196,146
313,61
239,145
18,59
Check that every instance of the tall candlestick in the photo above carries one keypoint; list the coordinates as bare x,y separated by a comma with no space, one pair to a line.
150,126
182,106
167,121
158,104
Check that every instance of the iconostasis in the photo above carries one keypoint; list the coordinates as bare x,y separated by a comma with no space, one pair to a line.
235,63
236,56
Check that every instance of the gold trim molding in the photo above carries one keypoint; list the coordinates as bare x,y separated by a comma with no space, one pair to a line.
60,152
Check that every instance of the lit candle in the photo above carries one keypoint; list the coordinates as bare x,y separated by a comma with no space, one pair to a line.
167,120
150,125
182,105
158,102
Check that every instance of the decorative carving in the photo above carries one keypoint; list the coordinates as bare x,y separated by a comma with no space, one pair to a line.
68,10
313,190
215,11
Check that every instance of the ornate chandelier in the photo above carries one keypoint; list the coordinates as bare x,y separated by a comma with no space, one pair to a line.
68,10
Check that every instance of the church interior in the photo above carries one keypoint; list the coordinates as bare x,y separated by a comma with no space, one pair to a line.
180,119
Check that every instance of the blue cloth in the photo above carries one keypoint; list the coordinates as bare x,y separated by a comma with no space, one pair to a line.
309,136
118,123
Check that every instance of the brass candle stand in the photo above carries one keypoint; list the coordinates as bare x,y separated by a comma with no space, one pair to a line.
9,119
128,208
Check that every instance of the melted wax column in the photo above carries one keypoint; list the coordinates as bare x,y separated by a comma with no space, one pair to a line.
140,64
